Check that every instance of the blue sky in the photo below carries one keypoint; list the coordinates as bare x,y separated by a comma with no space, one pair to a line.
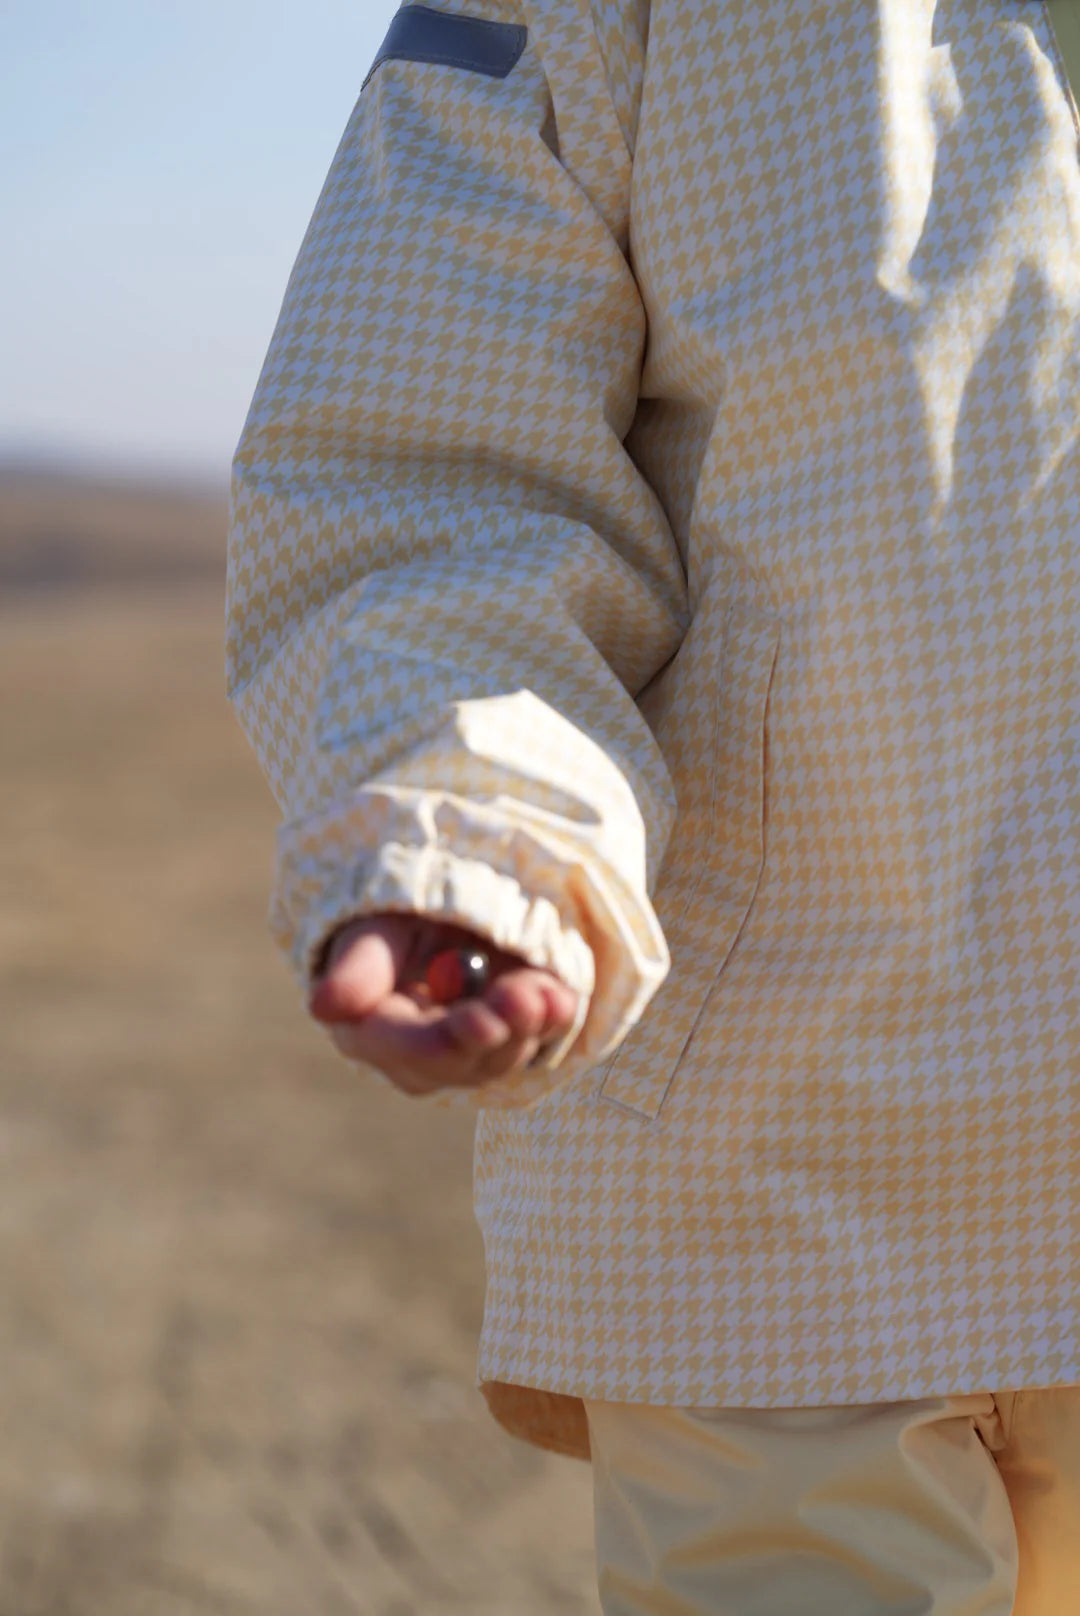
158,166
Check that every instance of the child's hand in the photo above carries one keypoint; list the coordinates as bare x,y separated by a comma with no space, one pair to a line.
373,997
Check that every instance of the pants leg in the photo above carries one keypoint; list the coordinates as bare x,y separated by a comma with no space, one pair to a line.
1039,1461
891,1509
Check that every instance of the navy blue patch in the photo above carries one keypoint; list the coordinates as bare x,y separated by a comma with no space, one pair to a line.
419,34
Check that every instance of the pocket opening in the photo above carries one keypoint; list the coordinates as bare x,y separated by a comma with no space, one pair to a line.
714,912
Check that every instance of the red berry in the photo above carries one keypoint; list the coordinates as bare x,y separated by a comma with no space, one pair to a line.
457,973
445,977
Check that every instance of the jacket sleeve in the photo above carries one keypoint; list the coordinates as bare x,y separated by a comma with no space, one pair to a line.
447,579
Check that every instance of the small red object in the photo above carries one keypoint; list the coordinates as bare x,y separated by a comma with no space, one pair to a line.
458,973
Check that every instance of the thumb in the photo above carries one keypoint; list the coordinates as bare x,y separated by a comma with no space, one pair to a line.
362,967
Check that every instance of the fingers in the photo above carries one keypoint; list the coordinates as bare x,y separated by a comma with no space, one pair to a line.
533,1004
371,997
368,958
423,1048
364,961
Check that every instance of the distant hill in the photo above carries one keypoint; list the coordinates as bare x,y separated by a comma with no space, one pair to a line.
70,529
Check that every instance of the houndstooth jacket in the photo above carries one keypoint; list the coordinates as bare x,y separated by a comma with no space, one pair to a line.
656,546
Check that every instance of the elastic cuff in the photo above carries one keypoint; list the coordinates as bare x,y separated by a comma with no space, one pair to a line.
464,892
435,882
559,906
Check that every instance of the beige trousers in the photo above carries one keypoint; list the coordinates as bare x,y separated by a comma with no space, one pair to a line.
958,1506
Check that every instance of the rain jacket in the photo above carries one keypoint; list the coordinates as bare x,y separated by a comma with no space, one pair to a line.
656,545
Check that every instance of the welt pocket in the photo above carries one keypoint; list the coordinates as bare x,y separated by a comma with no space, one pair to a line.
712,871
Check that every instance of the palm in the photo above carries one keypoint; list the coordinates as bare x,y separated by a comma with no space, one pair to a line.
372,996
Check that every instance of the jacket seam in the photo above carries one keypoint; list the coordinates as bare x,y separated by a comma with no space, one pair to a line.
711,990
714,792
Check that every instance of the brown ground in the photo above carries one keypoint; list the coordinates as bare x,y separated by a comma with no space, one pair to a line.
240,1285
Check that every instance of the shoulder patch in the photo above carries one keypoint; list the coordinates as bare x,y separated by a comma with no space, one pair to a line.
447,39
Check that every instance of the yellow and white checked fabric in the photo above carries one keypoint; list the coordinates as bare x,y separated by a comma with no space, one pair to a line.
656,544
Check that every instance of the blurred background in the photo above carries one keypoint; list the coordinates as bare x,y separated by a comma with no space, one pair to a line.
240,1284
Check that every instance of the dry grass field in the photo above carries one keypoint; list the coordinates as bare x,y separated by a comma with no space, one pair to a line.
65,531
240,1284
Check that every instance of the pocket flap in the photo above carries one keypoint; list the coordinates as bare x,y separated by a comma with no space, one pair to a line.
705,900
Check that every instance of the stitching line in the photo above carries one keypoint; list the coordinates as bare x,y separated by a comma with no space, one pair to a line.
762,805
474,22
714,792
444,59
626,1105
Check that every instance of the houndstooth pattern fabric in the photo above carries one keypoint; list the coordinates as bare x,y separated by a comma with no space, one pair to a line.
656,544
